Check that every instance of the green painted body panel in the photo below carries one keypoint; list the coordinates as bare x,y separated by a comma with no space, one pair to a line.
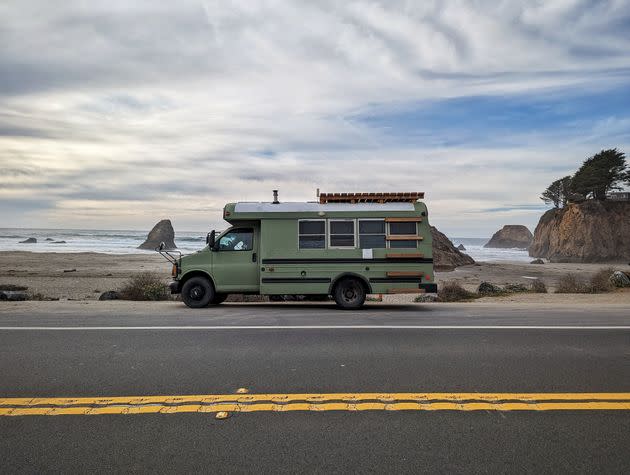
267,269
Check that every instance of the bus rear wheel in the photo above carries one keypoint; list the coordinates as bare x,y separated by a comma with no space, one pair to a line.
197,292
349,294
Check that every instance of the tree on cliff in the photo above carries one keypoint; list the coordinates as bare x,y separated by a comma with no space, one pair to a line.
600,174
558,192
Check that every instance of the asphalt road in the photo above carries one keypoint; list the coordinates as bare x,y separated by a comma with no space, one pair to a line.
316,349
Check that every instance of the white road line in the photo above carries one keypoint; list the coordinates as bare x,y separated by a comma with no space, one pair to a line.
326,327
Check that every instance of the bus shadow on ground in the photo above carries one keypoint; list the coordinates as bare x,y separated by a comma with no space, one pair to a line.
312,307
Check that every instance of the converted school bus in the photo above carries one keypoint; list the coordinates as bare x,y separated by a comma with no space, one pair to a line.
347,245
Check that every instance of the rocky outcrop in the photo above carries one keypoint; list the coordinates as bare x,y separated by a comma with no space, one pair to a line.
161,232
445,255
511,236
592,231
461,247
29,241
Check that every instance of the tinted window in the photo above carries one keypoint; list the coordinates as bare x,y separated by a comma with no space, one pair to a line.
312,234
371,234
402,228
341,227
312,242
372,241
371,227
341,233
312,227
237,240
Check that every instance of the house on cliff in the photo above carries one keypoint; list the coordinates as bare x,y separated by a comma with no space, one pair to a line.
619,196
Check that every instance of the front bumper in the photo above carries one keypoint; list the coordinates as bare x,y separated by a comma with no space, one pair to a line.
429,288
175,287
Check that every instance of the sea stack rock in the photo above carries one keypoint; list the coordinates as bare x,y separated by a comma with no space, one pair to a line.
461,247
591,231
29,241
445,255
511,236
161,232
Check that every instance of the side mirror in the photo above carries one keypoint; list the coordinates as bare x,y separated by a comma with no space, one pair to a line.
211,238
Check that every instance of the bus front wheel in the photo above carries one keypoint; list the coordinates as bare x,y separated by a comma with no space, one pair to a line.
197,292
349,294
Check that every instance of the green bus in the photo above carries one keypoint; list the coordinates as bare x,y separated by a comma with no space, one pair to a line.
346,245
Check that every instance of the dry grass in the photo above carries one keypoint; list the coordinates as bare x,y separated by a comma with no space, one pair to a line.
538,287
145,286
600,281
571,284
597,284
453,292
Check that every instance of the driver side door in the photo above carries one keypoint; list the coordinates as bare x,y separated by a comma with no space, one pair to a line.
235,262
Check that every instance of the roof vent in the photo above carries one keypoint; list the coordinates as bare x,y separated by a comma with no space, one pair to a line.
275,197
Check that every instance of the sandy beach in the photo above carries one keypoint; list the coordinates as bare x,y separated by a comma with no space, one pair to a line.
84,276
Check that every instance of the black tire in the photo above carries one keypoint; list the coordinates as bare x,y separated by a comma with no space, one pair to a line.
218,299
349,293
197,292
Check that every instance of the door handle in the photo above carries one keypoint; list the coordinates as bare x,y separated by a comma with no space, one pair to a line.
254,257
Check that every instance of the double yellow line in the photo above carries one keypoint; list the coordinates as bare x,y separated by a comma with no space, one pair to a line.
315,402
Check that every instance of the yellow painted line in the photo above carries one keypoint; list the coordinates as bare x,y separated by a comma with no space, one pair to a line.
438,406
315,402
313,398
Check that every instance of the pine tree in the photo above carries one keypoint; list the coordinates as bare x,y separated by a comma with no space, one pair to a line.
600,174
558,192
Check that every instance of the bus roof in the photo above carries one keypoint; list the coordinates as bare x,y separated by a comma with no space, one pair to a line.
312,209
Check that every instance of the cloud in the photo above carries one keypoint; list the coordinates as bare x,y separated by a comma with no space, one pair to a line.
120,112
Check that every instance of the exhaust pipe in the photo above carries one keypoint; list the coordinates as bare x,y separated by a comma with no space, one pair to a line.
275,197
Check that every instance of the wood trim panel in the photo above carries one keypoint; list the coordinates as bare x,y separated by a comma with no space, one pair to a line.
398,255
404,274
406,291
413,219
402,237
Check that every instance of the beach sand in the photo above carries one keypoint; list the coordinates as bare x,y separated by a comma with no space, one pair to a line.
93,273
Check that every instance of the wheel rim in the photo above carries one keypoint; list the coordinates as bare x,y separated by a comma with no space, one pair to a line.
350,292
196,293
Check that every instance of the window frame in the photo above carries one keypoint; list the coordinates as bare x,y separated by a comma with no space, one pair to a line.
372,234
325,233
354,235
389,234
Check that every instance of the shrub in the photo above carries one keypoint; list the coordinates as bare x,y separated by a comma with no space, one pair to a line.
515,288
600,281
145,286
538,287
570,284
453,292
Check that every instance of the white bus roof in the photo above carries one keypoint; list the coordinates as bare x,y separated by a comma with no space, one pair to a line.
312,206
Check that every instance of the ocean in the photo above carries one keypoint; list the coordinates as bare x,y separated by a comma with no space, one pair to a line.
92,240
474,248
126,242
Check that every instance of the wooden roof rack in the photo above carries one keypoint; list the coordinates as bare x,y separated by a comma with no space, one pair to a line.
400,197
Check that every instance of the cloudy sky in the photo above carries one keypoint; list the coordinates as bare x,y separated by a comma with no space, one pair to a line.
115,114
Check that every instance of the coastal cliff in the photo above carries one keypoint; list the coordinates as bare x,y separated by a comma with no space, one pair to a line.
591,231
445,255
